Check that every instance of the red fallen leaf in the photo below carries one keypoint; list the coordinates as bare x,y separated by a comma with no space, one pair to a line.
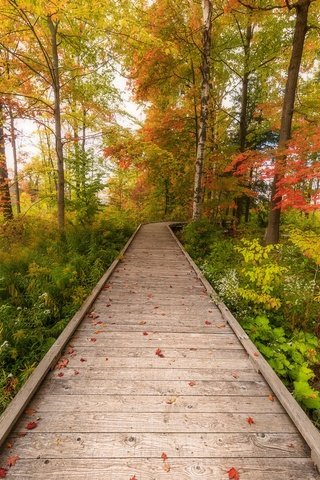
70,350
11,461
133,478
99,323
83,359
108,305
9,445
271,398
3,472
106,286
164,456
60,374
76,372
145,333
250,420
31,425
97,332
155,307
159,353
192,383
107,358
93,339
62,363
233,474
256,354
207,322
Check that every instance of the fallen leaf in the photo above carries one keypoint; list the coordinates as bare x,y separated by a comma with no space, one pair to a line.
99,323
192,383
70,350
93,339
76,372
11,461
107,358
171,400
250,420
62,363
108,305
9,445
221,325
166,467
155,307
145,333
235,375
142,322
233,474
97,332
271,398
133,478
22,434
164,456
290,445
207,322
83,359
30,411
93,315
159,353
3,472
106,287
31,425
60,374
256,354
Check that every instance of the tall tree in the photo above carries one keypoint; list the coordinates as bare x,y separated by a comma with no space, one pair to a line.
5,199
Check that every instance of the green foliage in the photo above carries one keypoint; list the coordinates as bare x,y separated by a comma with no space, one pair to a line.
43,281
291,355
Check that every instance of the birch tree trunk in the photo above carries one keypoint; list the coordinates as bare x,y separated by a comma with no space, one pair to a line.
301,26
204,113
53,27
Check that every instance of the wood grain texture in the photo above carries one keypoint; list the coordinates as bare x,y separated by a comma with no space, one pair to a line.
153,367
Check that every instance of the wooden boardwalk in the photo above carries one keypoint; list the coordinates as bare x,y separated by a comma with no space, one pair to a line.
155,385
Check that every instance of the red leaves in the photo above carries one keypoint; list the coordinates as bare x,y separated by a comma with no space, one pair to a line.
207,322
70,350
164,456
62,363
60,374
133,478
233,474
192,383
145,333
11,461
83,359
159,353
31,425
250,420
93,339
3,472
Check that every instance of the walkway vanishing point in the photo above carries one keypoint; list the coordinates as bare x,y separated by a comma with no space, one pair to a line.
156,383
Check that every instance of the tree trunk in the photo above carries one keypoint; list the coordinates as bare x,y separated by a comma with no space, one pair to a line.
15,160
204,113
5,200
301,26
57,121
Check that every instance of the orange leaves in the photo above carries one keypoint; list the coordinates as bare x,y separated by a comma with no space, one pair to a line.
11,461
166,466
133,478
250,420
62,363
3,472
233,474
271,398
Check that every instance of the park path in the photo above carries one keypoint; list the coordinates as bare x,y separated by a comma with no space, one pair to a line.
155,385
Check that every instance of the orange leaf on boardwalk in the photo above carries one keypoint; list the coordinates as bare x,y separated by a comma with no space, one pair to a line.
31,425
166,467
233,474
3,472
164,456
30,411
159,353
133,478
11,461
62,363
70,350
271,398
250,420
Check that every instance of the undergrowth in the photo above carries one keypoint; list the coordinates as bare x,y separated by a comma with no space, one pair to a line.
44,279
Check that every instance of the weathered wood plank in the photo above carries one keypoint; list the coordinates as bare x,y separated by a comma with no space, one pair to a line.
176,445
76,386
156,340
140,403
168,422
151,469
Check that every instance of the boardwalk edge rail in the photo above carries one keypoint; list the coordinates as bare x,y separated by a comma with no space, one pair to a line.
309,432
12,413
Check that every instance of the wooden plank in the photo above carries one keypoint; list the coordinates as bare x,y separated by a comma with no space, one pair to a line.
75,386
154,327
156,340
151,469
155,374
18,404
298,416
140,403
207,354
168,422
176,445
